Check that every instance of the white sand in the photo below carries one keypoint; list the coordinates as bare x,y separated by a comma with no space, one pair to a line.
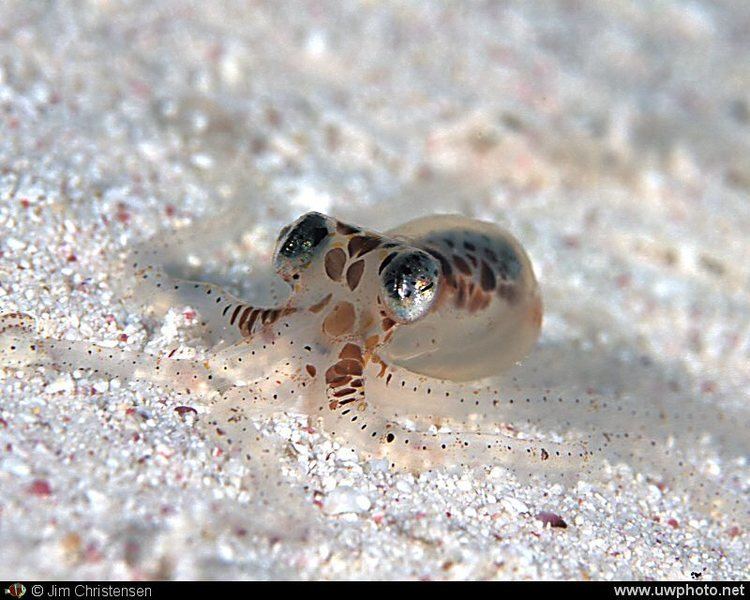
615,142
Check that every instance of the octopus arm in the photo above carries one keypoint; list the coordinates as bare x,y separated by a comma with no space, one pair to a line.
272,346
231,425
224,318
21,347
354,417
231,421
654,434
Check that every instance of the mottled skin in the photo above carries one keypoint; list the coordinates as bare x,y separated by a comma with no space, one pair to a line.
378,339
489,311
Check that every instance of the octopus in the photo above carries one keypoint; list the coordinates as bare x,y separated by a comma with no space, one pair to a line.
384,340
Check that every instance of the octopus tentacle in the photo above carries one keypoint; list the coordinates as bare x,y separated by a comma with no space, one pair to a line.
232,429
225,318
353,417
21,347
615,430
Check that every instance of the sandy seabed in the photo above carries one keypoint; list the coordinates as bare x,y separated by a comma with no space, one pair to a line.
613,139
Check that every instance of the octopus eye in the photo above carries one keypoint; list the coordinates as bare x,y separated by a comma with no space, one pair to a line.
410,285
299,242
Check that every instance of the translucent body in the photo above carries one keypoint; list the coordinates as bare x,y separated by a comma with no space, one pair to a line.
335,351
489,313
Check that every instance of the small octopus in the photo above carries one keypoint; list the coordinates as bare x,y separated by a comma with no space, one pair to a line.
381,339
